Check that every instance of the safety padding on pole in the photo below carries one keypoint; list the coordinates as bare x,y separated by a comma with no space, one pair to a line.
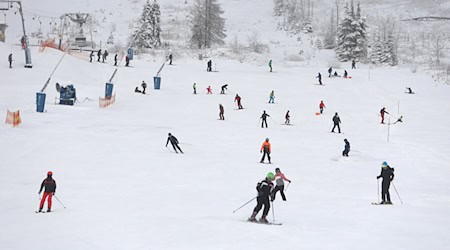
13,118
130,53
40,102
157,82
108,90
105,102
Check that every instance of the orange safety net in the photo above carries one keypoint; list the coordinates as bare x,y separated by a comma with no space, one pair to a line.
105,102
49,43
13,118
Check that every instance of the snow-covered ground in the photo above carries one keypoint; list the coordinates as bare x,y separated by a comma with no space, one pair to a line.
124,190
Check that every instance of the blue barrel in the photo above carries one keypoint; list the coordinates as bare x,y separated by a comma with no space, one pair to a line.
157,82
40,102
130,53
108,90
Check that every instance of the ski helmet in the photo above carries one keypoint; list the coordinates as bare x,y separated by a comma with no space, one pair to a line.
267,139
270,176
50,173
277,169
384,164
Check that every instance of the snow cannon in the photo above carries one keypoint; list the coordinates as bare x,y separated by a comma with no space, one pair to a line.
130,53
67,95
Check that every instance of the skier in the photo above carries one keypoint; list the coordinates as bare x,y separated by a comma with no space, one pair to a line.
336,74
209,66
50,187
264,119
287,117
221,117
99,54
127,61
224,87
170,59
264,189
144,86
382,112
409,90
105,54
320,78
399,119
272,97
10,60
387,173
115,60
209,90
270,65
330,70
238,100
353,64
279,180
345,74
194,86
336,121
136,90
346,148
173,140
91,56
321,106
266,150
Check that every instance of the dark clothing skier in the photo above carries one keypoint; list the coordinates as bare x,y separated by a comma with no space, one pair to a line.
173,140
194,86
272,97
221,112
115,60
270,65
399,119
345,74
91,56
336,122
127,61
136,90
170,59
264,119
10,59
99,54
209,66
238,100
320,78
382,112
223,88
330,70
346,148
49,186
266,150
387,173
264,189
144,86
287,117
409,90
105,54
353,64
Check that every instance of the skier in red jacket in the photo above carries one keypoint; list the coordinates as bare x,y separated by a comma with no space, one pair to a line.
382,112
50,187
321,106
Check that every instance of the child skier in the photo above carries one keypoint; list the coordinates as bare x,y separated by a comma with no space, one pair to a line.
221,111
346,148
209,90
50,187
144,86
279,180
287,117
387,173
272,97
238,100
264,189
321,106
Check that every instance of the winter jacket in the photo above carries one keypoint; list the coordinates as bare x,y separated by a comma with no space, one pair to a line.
387,174
347,145
279,177
322,105
49,184
264,188
172,140
336,119
264,116
266,146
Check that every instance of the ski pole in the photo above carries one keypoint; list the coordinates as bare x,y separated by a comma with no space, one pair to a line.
169,149
397,193
273,211
244,205
59,201
378,189
287,186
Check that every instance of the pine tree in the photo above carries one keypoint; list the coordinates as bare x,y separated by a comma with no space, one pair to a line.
278,8
208,27
351,35
147,35
377,53
389,50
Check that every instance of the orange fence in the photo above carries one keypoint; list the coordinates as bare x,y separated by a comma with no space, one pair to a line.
13,118
105,102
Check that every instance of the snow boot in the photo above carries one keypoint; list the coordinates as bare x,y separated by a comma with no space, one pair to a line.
40,210
253,217
49,210
263,220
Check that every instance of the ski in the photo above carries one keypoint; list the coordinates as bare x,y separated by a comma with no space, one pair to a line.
379,203
268,223
40,212
266,162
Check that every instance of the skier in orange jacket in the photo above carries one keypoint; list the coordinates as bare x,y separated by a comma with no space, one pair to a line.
266,150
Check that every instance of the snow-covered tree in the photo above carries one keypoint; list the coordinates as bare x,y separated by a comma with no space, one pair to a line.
208,27
330,34
389,50
279,7
147,34
351,35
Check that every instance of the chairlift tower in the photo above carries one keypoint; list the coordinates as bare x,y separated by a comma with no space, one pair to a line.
80,19
24,40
